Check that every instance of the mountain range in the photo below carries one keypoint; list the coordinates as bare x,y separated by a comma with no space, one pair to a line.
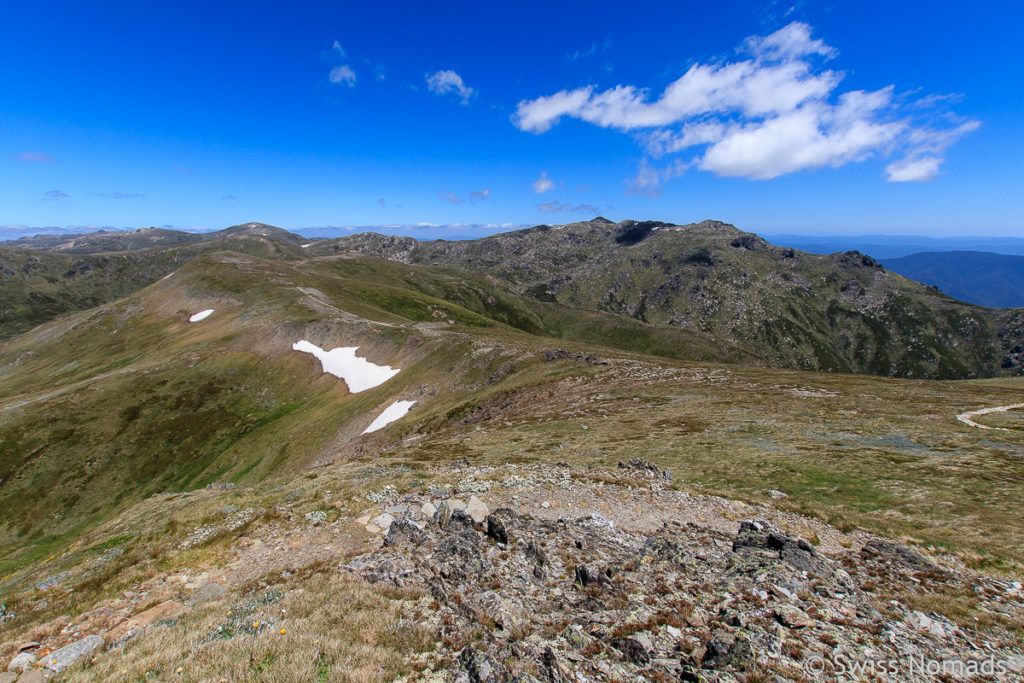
464,443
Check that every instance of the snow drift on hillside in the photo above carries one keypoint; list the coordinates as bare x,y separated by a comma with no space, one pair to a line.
358,373
393,412
201,315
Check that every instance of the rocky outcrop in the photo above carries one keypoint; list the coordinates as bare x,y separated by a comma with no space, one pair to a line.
579,598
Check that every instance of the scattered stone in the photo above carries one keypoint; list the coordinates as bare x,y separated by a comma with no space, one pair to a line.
775,493
22,662
724,649
428,510
496,529
477,510
545,505
632,649
382,522
61,659
209,592
925,623
647,468
316,517
793,617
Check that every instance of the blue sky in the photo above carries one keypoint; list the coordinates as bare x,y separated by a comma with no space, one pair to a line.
819,118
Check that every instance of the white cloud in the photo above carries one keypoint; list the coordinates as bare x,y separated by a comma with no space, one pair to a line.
776,112
648,179
447,81
913,170
479,195
343,74
543,184
338,48
451,197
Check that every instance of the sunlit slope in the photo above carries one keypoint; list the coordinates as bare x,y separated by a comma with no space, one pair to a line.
838,312
111,405
37,286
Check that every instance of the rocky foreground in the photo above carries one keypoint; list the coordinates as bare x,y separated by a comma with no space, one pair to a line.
555,573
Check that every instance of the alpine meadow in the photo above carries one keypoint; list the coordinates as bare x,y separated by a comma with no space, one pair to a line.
517,391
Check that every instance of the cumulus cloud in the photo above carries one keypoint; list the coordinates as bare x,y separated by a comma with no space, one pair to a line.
778,111
447,81
567,207
35,158
543,184
343,75
921,169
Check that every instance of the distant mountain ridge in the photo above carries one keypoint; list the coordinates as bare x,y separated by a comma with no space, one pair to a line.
143,238
982,278
711,281
839,312
896,246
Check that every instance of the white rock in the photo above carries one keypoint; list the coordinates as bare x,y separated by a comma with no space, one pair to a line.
61,659
428,510
477,510
925,623
456,504
383,521
22,662
545,505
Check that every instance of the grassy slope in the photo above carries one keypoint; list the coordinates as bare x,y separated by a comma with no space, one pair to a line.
150,405
115,404
38,286
838,312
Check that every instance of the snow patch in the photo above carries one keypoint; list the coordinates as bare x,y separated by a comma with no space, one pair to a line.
201,315
358,373
395,411
306,246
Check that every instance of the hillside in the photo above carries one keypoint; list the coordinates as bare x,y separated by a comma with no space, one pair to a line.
839,312
982,278
39,285
200,500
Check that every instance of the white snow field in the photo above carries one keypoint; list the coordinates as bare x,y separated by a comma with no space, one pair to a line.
358,373
201,315
395,411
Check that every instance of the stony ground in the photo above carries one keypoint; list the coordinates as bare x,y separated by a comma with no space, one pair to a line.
553,573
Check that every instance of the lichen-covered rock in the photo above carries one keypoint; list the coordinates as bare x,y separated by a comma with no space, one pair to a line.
59,660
